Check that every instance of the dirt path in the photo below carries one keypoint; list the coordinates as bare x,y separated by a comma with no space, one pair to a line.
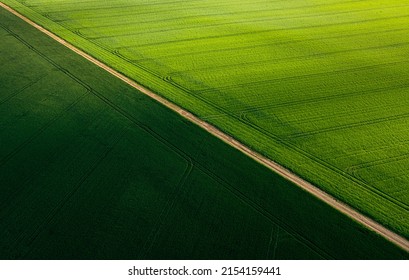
340,206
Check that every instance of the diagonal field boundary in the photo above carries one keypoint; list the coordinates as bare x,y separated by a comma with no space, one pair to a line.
393,237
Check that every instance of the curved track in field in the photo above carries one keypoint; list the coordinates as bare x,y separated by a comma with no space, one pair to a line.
340,206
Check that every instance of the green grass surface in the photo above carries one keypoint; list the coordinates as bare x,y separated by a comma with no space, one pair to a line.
92,169
319,86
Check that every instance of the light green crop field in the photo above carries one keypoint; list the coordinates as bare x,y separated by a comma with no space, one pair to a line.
319,86
90,168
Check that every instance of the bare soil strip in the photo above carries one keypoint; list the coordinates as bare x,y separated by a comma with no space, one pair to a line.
340,206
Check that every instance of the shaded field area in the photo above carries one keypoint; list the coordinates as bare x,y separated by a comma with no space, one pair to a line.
318,86
92,169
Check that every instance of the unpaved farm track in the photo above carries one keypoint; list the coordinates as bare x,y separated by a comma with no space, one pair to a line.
340,206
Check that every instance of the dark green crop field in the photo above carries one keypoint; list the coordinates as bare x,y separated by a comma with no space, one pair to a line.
320,86
92,169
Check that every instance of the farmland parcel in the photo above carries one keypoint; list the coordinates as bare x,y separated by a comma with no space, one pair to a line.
318,86
92,169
